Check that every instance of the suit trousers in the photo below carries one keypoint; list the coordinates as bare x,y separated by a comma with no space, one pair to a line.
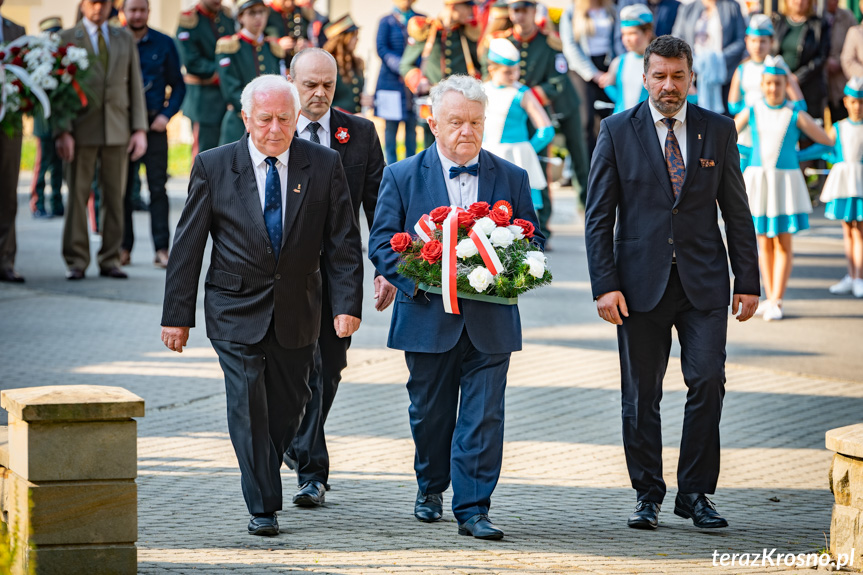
644,341
113,166
47,160
456,417
156,163
309,447
10,164
267,389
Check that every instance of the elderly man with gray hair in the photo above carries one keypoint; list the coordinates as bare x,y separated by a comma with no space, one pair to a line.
269,213
458,363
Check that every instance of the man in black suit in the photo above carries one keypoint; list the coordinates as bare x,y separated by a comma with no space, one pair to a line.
269,213
10,163
666,265
313,72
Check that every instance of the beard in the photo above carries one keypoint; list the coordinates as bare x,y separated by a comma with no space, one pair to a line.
668,108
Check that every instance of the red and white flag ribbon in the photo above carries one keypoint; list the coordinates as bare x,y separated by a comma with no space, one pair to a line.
425,228
486,250
449,274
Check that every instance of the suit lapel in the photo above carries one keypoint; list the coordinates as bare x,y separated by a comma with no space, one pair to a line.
84,39
113,47
486,178
246,184
433,177
645,131
337,120
298,184
695,127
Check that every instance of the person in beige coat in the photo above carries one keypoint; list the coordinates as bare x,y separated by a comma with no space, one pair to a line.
110,128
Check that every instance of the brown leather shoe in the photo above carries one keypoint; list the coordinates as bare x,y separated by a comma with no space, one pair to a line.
161,260
74,274
10,275
115,273
125,257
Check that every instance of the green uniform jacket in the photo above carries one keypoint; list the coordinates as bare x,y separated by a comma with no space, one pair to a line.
447,55
239,63
347,96
196,39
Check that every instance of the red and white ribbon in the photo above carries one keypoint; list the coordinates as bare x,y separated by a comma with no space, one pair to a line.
449,273
486,250
425,228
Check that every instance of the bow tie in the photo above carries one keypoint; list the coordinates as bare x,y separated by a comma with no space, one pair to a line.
455,171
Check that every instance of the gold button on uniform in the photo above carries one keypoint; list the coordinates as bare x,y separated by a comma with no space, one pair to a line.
356,90
262,68
260,57
523,54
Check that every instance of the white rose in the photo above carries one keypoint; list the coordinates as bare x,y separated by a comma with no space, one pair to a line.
480,278
536,262
501,238
465,249
517,231
486,224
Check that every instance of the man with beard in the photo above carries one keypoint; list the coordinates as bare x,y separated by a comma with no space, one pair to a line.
657,260
160,69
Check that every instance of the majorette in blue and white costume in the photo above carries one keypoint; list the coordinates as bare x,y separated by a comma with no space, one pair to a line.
750,73
506,120
842,194
628,88
778,196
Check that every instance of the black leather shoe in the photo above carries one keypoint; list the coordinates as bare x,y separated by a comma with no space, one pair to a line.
428,507
74,274
10,275
481,527
645,515
265,524
700,509
115,273
311,494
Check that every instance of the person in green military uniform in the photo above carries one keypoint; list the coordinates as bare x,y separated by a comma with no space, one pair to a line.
342,36
439,47
241,58
297,26
197,33
544,70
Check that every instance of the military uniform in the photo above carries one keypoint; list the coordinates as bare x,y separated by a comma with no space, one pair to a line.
441,52
297,25
197,34
347,95
240,60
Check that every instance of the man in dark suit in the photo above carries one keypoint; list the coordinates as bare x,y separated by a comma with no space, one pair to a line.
313,72
10,164
456,438
665,265
269,212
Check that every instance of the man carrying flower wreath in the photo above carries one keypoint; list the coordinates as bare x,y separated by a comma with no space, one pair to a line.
458,362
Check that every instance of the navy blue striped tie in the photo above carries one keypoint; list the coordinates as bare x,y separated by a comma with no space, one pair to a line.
273,205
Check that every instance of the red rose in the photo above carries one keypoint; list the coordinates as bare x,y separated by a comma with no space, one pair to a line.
432,252
18,61
401,242
15,51
465,219
500,217
71,69
438,215
526,226
2,54
478,210
61,51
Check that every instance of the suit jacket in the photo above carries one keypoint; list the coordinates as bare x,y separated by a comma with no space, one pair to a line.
733,30
414,187
11,30
246,288
362,160
633,225
115,97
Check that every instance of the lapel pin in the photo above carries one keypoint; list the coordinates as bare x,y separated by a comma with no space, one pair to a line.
699,136
297,189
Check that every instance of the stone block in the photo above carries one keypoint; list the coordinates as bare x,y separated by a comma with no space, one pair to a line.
846,440
70,451
846,535
81,512
72,403
84,560
4,446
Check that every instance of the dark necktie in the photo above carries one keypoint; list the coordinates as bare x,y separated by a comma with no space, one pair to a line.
455,171
674,158
103,50
273,205
313,130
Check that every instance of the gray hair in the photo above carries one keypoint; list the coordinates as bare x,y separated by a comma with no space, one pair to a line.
308,52
467,86
268,83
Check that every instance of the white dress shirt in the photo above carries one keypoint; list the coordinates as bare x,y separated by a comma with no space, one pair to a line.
324,131
92,31
462,190
679,128
261,167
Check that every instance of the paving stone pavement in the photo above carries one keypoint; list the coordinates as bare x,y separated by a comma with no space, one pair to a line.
564,495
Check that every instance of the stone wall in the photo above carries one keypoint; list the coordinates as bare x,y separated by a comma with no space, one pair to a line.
846,483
